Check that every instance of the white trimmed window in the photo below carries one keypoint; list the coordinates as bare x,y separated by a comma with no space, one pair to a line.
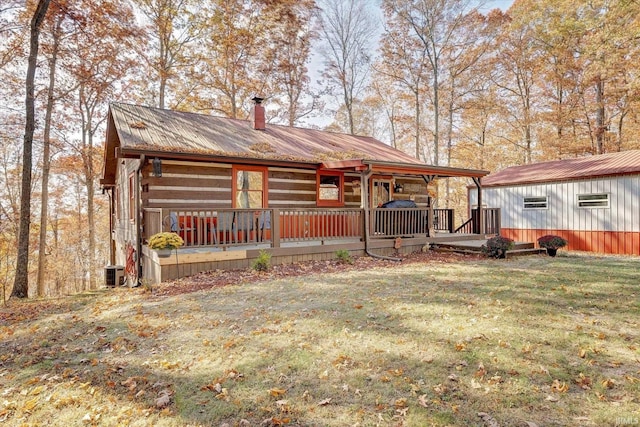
599,200
537,202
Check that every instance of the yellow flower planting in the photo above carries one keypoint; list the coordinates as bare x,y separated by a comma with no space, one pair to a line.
165,240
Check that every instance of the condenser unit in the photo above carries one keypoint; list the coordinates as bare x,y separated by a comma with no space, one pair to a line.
114,275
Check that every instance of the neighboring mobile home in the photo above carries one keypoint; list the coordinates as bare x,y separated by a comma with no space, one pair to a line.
593,202
233,188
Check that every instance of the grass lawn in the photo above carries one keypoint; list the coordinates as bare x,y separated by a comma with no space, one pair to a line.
445,340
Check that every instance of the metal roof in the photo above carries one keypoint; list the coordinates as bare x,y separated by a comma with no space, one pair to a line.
611,164
135,130
199,133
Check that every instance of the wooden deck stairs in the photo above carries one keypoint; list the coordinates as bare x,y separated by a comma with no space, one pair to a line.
475,247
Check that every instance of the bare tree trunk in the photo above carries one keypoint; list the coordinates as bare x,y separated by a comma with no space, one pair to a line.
417,122
46,164
92,227
87,158
21,282
600,127
436,114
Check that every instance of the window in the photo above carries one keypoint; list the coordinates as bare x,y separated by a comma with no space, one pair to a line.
132,196
116,202
249,187
600,200
540,202
330,188
380,191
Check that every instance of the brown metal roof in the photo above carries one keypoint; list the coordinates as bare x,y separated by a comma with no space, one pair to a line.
137,130
611,164
167,130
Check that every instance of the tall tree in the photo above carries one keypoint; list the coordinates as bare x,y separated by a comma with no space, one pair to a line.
57,17
100,69
434,24
245,52
171,30
348,30
517,72
291,75
21,280
403,61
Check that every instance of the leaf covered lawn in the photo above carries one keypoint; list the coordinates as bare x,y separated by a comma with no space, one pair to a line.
437,340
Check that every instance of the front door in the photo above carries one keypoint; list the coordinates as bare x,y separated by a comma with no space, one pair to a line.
380,191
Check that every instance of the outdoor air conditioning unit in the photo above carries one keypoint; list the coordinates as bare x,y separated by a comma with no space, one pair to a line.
114,275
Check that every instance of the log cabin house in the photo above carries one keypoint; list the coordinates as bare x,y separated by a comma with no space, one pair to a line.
233,188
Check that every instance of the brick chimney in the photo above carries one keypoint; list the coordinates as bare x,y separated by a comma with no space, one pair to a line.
258,114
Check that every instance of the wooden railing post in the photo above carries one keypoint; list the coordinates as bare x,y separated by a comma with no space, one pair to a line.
275,228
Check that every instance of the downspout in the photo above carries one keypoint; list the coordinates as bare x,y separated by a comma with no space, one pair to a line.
139,218
366,175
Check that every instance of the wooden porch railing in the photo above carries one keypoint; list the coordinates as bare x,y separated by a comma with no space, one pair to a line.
491,218
443,220
234,227
409,221
298,225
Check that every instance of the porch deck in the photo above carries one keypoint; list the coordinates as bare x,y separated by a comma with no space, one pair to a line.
234,238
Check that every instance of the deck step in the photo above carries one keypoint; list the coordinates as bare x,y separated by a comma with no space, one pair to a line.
475,247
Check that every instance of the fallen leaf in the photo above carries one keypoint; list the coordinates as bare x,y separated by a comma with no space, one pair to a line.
584,382
559,387
163,401
608,383
401,403
275,392
422,400
30,404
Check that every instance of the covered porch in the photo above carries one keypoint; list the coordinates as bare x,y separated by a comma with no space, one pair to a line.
233,238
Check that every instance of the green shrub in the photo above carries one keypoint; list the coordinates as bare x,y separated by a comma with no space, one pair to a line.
263,262
344,256
498,246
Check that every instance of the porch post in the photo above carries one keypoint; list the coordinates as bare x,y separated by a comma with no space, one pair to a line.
430,216
275,228
481,225
364,203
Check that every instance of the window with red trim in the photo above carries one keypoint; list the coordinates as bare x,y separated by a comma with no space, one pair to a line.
330,188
